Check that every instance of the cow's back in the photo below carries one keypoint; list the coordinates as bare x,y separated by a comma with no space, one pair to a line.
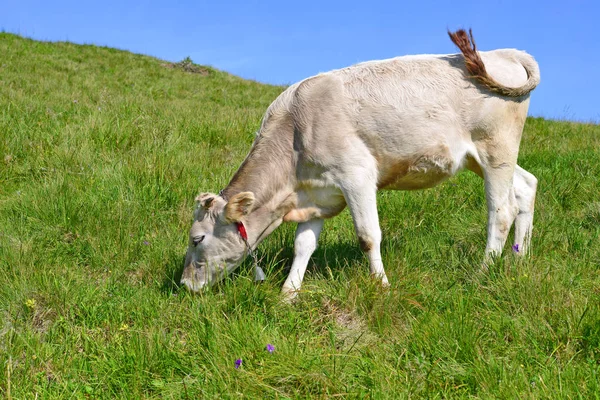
432,86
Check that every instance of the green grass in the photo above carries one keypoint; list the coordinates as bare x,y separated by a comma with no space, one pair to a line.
101,155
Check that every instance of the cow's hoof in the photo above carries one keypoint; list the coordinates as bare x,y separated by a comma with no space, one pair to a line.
382,279
288,296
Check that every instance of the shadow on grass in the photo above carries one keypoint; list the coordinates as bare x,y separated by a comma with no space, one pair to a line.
327,259
276,263
334,260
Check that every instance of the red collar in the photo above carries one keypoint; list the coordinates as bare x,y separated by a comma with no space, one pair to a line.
259,274
242,230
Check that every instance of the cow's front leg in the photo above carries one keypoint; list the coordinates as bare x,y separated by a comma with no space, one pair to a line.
307,236
362,201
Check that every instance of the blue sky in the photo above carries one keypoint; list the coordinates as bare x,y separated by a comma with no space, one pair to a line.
282,42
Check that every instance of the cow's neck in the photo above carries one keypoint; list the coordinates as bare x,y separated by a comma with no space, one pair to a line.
267,172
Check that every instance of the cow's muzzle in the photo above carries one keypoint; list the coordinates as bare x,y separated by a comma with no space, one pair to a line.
194,277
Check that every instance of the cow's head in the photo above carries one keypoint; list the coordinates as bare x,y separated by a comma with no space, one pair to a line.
215,244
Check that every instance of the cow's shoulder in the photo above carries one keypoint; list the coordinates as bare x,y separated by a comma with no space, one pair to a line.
318,89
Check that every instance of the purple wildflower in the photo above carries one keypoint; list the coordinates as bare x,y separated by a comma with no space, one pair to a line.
147,243
238,363
270,348
516,248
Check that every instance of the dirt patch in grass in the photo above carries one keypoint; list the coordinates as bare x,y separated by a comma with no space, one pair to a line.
350,329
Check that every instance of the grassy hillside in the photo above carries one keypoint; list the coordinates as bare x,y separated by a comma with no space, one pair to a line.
101,155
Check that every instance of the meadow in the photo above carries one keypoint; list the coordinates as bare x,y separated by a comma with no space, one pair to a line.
101,155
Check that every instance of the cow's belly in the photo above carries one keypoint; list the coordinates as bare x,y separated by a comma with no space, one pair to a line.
420,171
413,148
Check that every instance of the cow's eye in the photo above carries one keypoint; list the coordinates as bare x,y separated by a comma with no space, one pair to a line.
198,239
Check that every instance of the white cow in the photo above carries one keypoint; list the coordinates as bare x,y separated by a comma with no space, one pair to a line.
333,140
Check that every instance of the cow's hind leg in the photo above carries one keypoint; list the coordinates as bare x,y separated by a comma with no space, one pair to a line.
361,198
307,236
501,201
525,186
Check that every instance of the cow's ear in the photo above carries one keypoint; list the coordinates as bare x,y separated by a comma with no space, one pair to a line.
205,200
239,206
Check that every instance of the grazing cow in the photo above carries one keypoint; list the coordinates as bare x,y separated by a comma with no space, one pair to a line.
333,140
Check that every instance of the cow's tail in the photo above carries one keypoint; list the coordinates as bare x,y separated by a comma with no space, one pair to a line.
476,68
